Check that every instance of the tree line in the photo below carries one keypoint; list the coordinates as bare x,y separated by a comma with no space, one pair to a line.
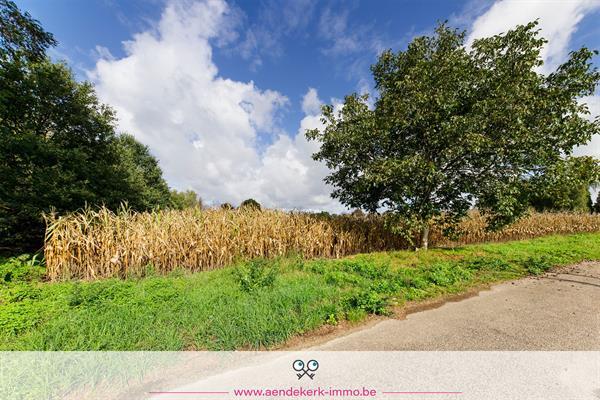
59,148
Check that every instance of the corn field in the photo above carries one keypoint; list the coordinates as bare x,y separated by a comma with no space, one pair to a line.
95,244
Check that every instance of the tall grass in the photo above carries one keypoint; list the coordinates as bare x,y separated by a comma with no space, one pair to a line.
96,244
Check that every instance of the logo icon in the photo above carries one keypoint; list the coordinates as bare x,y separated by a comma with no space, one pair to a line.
307,369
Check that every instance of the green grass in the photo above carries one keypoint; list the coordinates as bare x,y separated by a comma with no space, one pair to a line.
256,305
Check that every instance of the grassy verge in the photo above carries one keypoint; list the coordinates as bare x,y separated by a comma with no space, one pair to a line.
255,305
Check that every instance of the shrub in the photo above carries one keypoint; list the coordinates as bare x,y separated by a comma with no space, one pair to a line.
227,206
368,301
24,268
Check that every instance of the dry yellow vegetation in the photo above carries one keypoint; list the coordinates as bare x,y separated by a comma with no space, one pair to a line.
101,244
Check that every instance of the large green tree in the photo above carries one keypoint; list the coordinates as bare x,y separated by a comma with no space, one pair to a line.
58,146
142,185
565,185
455,127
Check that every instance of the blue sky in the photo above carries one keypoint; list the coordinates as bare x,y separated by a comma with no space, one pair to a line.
222,91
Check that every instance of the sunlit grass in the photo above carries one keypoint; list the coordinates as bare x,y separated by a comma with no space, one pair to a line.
212,310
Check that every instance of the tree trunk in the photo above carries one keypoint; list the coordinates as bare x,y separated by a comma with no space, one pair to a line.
425,237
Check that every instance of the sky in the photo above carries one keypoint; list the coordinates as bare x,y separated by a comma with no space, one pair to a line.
223,91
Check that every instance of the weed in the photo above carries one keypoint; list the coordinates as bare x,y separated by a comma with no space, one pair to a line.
256,274
538,265
485,263
24,268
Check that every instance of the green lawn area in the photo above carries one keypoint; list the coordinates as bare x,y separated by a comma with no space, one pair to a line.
257,304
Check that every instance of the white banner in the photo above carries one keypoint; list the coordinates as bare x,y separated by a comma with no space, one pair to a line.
302,374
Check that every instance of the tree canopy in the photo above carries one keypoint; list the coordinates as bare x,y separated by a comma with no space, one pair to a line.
456,127
58,146
250,204
21,35
184,199
565,185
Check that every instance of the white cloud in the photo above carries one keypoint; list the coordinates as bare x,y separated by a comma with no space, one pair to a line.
291,177
202,127
593,147
311,104
558,21
102,52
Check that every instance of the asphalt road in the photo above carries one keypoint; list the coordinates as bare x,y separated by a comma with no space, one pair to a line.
556,311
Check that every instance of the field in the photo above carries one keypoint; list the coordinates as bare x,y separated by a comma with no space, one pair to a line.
254,304
100,244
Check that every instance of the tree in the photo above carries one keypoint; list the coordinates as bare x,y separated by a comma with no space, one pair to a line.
55,148
21,35
564,186
250,204
143,184
187,199
227,206
454,128
58,146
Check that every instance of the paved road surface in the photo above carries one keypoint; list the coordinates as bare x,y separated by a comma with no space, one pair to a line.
557,311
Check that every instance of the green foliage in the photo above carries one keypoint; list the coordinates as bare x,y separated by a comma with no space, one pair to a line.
58,147
183,200
537,265
24,268
143,185
564,186
453,128
368,301
256,274
596,207
250,204
486,263
21,36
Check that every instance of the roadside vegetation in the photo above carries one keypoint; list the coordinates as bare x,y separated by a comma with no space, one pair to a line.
256,304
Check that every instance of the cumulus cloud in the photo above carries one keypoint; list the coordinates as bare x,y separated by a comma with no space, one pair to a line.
311,104
558,22
204,128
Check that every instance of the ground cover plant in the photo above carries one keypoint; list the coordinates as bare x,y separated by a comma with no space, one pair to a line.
254,305
101,244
